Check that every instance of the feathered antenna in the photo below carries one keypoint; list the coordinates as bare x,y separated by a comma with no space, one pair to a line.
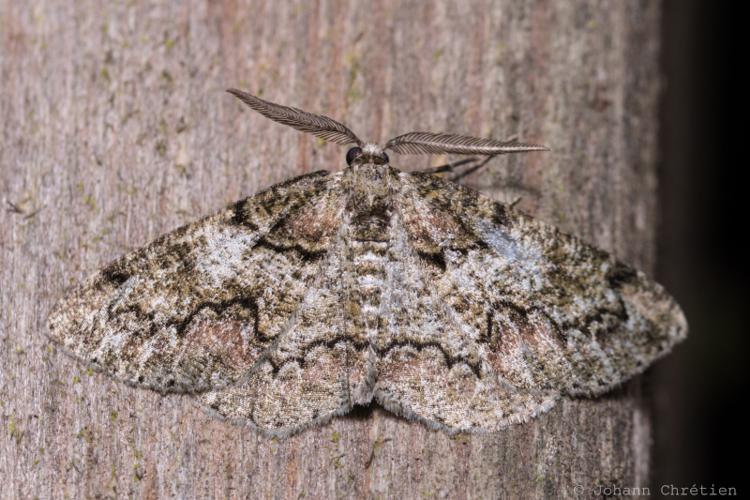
318,125
430,143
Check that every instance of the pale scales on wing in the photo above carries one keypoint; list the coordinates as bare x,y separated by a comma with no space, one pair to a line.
328,291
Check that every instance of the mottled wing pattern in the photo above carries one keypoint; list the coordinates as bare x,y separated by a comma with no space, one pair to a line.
197,308
431,366
327,291
312,373
499,314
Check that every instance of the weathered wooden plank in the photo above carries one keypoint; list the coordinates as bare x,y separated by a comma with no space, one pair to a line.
115,129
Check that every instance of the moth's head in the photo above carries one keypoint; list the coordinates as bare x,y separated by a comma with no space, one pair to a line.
369,153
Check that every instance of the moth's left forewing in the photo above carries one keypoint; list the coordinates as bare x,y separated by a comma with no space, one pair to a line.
583,322
548,311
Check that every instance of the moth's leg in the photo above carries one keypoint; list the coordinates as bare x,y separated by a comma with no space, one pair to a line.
448,167
479,165
515,200
471,169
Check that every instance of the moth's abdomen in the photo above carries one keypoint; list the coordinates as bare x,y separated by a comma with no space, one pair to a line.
364,283
369,235
365,279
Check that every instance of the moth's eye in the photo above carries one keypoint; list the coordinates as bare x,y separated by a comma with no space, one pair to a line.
352,155
385,158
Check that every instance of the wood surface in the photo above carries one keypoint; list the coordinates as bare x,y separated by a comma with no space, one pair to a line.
115,129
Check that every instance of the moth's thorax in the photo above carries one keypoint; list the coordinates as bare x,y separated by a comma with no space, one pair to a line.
370,190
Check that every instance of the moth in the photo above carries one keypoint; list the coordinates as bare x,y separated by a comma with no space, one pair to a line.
332,290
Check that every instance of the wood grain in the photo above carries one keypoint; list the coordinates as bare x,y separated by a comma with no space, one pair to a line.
115,128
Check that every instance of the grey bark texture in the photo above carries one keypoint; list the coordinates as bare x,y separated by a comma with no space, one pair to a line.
115,129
